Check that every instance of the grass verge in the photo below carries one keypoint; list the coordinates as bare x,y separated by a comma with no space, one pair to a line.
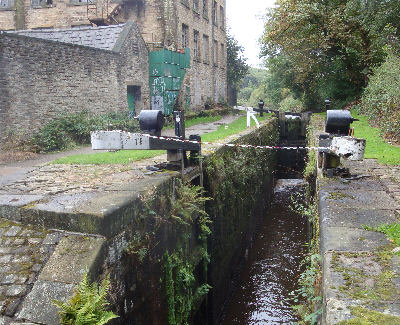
377,147
125,157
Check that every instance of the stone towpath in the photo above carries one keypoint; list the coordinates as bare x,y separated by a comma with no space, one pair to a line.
361,267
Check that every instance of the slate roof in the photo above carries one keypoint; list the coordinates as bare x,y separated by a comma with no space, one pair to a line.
102,37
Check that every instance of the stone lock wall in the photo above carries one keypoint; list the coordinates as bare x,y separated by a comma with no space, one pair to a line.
39,79
241,183
141,293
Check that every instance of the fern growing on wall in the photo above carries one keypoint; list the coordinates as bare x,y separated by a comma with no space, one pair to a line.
87,306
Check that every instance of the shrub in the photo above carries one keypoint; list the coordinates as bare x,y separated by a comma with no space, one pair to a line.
381,98
290,104
68,130
87,306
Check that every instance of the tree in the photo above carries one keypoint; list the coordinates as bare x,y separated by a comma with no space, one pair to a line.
331,46
237,67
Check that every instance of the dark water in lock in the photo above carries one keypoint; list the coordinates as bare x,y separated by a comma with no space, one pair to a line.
272,267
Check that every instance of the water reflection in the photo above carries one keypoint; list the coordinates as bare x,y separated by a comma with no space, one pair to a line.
273,266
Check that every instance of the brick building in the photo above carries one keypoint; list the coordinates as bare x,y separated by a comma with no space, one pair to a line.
43,72
171,24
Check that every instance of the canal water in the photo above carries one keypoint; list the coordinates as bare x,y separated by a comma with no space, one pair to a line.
273,265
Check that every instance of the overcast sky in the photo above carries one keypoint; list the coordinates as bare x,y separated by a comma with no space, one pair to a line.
245,20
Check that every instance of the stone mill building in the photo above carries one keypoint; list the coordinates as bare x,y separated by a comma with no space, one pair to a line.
108,55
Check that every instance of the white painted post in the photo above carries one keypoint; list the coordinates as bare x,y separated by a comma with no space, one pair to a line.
250,114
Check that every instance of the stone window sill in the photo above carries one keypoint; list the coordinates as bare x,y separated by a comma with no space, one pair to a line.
206,62
72,4
196,12
8,9
205,17
43,6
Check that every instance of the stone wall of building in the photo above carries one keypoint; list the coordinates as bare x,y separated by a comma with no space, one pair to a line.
39,79
160,22
33,14
207,76
7,19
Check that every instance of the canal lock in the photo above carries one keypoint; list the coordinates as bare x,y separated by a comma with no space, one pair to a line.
266,276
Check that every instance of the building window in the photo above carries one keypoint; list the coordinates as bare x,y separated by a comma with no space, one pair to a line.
221,17
205,9
185,33
6,4
215,53
206,49
214,13
196,6
41,3
222,63
196,46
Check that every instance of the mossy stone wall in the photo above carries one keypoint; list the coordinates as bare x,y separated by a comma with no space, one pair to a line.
160,266
240,183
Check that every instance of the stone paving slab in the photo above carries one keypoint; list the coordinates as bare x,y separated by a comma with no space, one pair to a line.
43,294
357,218
366,183
38,266
341,238
360,268
358,199
23,252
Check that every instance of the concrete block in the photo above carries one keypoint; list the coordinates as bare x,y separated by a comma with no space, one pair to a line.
72,257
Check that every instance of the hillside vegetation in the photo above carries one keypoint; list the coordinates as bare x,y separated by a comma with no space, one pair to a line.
346,51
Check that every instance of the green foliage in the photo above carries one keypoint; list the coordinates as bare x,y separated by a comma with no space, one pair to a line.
68,130
290,104
307,297
139,246
308,304
189,204
87,306
392,231
181,290
376,147
252,86
236,63
184,293
328,48
381,98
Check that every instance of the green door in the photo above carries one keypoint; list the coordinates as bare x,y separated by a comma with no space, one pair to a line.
131,100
